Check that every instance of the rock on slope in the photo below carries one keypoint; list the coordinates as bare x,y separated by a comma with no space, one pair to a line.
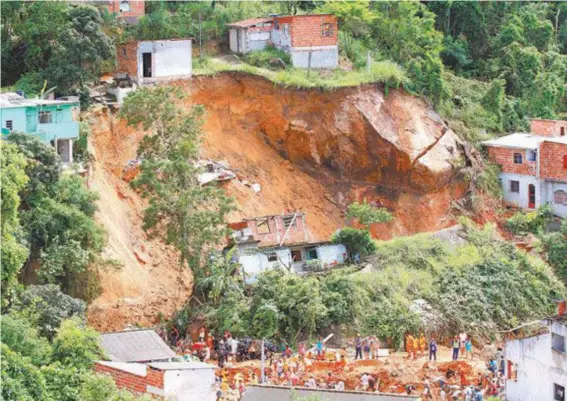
309,150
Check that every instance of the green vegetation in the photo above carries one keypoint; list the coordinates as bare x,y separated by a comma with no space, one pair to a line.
189,215
270,57
358,242
51,220
481,286
52,44
54,363
367,214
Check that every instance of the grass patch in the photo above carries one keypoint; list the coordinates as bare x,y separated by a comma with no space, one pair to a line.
267,58
384,72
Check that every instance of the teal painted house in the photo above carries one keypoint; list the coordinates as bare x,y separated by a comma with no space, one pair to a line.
54,121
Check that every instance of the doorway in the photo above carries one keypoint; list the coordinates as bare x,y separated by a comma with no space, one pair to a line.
147,65
531,196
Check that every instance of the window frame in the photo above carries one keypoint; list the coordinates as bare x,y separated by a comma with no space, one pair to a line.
556,387
289,221
261,223
518,156
45,113
308,253
563,348
127,3
272,256
10,124
560,192
327,30
514,183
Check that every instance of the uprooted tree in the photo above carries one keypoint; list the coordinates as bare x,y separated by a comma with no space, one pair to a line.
187,214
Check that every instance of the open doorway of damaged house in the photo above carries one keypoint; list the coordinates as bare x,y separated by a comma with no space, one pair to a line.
147,65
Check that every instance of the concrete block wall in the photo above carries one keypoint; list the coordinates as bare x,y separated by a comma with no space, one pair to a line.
553,161
551,128
505,158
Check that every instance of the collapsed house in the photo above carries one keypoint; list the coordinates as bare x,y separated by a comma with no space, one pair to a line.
310,40
282,241
214,171
536,365
534,166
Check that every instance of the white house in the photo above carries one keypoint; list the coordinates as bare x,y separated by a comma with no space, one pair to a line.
155,60
536,366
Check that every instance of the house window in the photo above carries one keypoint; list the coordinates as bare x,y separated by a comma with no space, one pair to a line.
557,343
285,30
532,155
272,257
562,131
558,392
296,256
327,29
515,186
124,6
45,117
311,253
263,226
276,24
560,197
289,221
517,158
9,124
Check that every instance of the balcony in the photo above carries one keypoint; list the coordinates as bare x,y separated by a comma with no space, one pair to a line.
63,130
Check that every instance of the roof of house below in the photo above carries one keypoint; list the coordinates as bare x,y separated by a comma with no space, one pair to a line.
522,141
181,365
12,99
246,23
135,346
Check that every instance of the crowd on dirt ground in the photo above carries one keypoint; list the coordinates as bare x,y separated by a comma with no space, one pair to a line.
295,368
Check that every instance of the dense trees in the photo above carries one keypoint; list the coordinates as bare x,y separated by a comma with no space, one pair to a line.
54,223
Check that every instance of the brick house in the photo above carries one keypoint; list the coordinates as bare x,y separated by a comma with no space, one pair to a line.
534,165
304,37
179,381
130,11
281,240
157,60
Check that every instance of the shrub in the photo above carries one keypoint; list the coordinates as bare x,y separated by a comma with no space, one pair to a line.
367,214
358,242
268,58
76,344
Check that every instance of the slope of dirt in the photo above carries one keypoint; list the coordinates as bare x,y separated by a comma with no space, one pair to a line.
313,151
318,151
150,281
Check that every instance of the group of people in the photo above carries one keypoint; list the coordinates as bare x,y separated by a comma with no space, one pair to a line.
418,346
368,346
462,344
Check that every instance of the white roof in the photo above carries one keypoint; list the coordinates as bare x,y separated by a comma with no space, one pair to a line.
181,365
11,99
138,369
522,141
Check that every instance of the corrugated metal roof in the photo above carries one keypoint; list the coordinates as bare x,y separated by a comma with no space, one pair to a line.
135,346
11,99
245,23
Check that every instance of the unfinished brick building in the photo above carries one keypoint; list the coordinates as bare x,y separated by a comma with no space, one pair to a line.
534,165
129,11
281,240
309,39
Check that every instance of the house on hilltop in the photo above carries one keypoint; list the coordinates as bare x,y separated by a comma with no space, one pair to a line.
308,39
536,365
130,11
281,240
534,165
149,61
53,121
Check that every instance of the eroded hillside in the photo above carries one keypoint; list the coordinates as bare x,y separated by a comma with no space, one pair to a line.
313,151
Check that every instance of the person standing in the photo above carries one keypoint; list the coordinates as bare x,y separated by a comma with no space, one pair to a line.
456,345
422,344
409,346
463,339
433,349
319,348
366,344
415,346
468,349
358,347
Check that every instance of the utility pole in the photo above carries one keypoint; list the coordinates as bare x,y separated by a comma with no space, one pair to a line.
309,64
200,37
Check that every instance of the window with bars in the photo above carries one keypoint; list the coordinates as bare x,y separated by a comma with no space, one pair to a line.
9,124
289,221
517,158
45,117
